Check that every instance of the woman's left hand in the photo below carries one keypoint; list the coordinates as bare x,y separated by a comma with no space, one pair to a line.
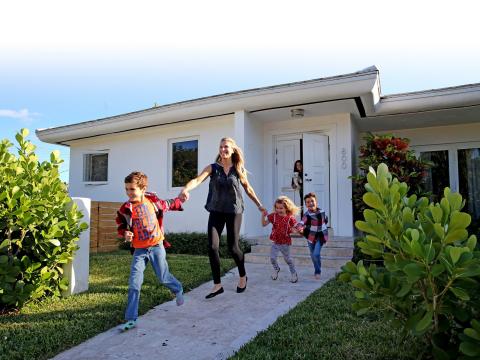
263,210
184,195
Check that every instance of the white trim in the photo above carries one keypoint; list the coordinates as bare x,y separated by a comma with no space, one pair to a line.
170,143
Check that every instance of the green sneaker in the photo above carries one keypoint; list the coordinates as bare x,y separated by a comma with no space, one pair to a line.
129,325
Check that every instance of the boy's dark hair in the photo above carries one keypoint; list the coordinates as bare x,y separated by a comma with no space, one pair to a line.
310,195
138,178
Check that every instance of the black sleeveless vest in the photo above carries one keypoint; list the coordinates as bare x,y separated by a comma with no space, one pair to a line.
224,191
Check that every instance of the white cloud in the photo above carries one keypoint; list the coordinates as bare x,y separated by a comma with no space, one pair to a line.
23,115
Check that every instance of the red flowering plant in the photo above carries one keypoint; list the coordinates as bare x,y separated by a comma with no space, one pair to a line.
401,161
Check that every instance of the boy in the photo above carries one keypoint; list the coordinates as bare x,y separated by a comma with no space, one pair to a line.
140,221
314,223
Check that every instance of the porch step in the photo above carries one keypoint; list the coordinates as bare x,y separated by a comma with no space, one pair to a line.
335,253
303,250
335,242
300,260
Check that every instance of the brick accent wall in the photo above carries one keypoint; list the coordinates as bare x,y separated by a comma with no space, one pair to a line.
103,229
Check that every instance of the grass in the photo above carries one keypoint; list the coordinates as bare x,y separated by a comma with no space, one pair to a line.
325,327
42,330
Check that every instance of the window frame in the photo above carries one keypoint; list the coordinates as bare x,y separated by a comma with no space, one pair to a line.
84,160
170,158
452,149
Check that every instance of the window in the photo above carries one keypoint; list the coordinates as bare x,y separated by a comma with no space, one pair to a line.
457,166
95,167
184,161
438,176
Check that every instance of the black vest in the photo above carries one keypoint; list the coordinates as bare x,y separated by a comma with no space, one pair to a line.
224,191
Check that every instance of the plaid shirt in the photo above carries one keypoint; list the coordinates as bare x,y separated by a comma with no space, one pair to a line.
314,226
124,214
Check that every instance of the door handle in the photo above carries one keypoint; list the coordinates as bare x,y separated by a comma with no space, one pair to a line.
308,179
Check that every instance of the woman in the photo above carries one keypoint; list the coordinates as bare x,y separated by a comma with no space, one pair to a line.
297,179
225,204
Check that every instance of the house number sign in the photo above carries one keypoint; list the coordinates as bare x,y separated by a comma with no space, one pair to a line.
343,158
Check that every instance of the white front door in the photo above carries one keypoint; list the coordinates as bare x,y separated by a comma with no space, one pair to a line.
287,152
316,174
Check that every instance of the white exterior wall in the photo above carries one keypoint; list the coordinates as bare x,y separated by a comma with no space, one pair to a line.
148,150
249,136
338,127
355,146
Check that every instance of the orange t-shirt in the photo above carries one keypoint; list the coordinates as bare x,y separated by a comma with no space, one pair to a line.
145,228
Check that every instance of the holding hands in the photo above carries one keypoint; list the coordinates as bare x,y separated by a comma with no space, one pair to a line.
128,236
184,195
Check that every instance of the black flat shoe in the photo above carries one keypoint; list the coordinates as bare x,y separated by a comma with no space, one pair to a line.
213,294
239,289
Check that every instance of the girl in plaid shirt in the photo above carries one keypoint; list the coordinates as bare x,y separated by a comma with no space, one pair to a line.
283,223
314,225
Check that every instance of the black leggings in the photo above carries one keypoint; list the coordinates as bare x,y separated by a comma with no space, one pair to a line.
216,223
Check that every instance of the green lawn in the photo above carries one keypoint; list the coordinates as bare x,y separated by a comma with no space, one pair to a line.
321,327
325,327
42,330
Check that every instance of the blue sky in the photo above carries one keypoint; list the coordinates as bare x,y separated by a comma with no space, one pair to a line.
63,62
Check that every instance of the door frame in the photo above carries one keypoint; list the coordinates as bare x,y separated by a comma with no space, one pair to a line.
299,136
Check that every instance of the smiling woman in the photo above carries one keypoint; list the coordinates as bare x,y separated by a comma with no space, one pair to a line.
225,204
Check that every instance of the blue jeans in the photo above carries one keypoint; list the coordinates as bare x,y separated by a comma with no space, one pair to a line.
315,255
157,257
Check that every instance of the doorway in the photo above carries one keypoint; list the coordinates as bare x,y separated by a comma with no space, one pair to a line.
312,149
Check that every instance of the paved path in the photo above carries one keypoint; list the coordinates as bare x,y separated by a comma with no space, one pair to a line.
205,329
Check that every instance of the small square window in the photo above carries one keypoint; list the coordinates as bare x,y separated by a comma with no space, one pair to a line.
95,167
184,162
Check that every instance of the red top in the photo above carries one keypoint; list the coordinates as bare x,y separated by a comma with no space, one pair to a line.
281,228
145,227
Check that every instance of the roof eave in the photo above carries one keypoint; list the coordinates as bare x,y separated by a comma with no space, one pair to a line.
352,85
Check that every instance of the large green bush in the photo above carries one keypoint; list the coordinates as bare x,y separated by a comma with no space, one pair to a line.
39,225
430,285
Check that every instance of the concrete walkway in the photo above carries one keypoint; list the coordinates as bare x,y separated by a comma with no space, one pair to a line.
206,329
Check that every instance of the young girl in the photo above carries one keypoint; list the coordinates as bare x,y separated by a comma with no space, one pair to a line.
283,223
314,227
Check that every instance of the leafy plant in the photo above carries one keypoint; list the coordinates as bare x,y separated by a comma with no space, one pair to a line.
429,286
39,225
395,153
470,345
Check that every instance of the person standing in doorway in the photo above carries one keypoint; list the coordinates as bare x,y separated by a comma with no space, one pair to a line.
297,180
225,205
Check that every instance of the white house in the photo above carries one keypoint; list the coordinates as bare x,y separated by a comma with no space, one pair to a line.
319,121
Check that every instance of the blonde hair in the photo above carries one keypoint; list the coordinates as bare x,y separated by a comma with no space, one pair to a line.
237,158
289,205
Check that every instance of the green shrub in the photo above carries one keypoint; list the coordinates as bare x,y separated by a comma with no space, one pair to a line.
430,285
39,225
194,243
358,255
402,162
395,153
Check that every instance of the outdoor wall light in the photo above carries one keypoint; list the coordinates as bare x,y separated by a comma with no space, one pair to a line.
297,113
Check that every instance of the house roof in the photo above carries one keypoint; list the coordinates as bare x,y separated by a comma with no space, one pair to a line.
327,88
362,86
